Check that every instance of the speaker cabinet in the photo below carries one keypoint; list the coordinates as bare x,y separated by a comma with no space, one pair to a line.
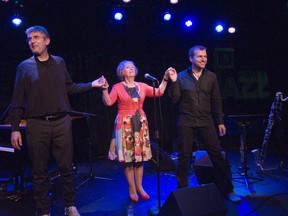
200,200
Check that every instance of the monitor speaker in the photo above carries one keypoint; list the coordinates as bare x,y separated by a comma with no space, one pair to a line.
200,200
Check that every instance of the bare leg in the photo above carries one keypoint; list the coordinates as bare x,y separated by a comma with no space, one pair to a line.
112,150
129,173
138,177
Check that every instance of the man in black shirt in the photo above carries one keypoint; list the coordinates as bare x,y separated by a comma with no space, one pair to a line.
41,92
199,100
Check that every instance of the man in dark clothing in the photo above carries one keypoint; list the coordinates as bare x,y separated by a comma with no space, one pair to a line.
199,100
41,92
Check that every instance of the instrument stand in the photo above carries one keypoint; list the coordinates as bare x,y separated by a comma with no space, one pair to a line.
90,175
243,169
277,113
280,166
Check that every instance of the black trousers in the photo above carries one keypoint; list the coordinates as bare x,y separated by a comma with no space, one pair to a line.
43,138
209,138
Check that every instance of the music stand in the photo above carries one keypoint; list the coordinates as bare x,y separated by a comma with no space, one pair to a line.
90,175
243,121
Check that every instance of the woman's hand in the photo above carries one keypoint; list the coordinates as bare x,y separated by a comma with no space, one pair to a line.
171,73
100,82
106,85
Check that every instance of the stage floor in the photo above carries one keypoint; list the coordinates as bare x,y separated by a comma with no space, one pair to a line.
267,193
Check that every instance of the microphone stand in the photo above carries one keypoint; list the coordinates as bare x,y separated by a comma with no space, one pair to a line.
155,211
90,176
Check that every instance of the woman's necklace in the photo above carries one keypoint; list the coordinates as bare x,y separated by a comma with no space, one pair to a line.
130,84
132,90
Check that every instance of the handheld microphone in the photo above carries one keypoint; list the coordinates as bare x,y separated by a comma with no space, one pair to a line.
148,76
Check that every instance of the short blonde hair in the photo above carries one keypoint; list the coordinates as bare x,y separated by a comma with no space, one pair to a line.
122,65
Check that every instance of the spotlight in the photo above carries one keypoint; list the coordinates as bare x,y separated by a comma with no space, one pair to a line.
231,30
16,21
219,28
188,23
118,16
126,1
173,1
167,16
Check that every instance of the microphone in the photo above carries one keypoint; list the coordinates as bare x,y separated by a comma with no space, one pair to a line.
148,76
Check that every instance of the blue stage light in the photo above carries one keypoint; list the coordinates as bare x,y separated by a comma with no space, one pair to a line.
167,16
219,28
16,21
118,16
188,23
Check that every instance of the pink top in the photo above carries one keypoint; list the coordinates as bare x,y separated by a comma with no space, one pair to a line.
126,105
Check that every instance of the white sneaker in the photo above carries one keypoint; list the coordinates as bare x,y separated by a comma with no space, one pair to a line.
71,211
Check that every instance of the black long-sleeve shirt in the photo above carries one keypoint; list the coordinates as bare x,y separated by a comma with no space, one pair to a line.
199,102
42,88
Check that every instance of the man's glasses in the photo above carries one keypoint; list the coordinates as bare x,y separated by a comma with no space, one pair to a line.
29,39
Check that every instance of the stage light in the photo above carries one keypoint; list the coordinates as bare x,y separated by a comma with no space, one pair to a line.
126,1
231,30
118,16
173,1
188,23
167,16
219,28
16,21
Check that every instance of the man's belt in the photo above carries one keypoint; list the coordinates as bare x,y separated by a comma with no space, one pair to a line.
51,117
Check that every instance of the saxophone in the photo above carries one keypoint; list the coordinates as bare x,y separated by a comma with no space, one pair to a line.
260,153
